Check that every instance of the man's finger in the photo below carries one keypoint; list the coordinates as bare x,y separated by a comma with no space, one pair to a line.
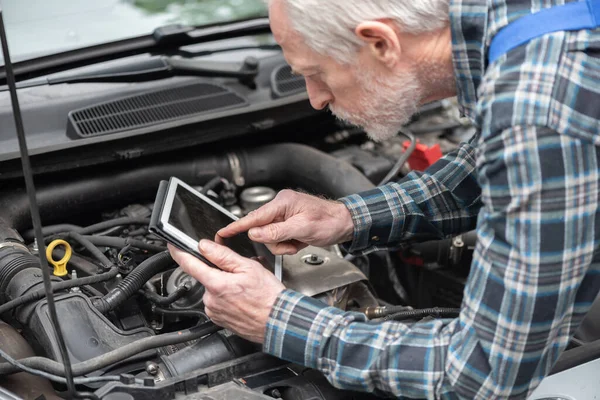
264,215
289,247
208,276
222,256
278,232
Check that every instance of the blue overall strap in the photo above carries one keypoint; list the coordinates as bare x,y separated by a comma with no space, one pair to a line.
569,17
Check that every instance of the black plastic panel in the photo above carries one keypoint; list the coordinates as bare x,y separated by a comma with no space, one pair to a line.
284,83
151,108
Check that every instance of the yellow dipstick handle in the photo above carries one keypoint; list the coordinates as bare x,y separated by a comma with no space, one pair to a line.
60,266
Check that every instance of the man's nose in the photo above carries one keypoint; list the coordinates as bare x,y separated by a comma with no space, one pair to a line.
319,98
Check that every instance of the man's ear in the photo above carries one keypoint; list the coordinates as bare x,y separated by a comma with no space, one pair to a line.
382,40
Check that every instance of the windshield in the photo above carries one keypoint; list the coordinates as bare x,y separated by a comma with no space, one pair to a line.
41,27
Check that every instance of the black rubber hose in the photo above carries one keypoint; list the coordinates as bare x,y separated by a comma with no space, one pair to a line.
86,244
119,243
77,262
104,225
57,287
211,185
289,165
51,230
134,281
181,313
300,166
435,312
577,356
393,173
115,356
99,227
170,299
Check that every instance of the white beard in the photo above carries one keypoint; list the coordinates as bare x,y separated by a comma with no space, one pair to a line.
385,107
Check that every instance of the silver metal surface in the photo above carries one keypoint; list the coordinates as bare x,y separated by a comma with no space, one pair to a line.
310,280
313,259
193,297
256,197
579,383
14,245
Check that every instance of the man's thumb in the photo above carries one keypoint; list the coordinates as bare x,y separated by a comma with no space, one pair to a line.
223,257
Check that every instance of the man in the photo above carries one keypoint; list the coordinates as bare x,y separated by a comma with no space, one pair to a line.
529,181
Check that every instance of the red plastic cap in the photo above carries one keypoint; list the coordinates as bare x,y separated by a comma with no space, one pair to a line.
423,156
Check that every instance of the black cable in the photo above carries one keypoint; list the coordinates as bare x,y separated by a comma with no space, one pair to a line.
435,312
104,225
134,281
119,243
170,299
212,184
403,158
92,291
114,356
57,287
48,230
59,379
181,313
86,244
35,212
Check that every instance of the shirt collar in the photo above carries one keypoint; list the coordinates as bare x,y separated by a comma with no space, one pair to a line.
468,24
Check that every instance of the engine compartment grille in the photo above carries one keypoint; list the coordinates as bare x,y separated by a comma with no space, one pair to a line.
151,108
284,83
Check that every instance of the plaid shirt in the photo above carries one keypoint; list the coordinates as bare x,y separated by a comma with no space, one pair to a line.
528,182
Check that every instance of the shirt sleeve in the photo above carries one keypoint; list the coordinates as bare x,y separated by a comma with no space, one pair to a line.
444,200
530,286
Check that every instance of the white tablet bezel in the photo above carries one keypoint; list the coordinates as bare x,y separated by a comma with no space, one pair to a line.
185,239
168,205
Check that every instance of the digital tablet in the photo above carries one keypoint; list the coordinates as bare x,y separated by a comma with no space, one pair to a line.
183,216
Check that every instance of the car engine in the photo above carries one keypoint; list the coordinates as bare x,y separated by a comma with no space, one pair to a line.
133,321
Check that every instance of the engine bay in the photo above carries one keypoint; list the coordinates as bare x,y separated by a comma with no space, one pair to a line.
133,321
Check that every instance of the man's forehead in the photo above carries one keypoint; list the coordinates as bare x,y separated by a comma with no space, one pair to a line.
295,50
280,24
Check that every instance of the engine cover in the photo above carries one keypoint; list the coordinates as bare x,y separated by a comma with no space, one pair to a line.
86,331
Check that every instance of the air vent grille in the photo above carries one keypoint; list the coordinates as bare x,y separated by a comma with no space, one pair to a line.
151,108
284,83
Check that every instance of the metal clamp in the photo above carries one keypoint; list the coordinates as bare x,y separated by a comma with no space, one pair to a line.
236,169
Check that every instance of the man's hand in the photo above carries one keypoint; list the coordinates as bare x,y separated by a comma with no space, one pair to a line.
293,221
240,295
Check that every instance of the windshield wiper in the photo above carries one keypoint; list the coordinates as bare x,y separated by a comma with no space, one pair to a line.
166,67
163,40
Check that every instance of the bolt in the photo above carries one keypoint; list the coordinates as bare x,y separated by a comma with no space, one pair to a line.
152,368
313,259
276,394
74,276
458,242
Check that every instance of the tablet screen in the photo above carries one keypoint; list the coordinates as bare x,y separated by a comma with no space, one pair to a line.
200,220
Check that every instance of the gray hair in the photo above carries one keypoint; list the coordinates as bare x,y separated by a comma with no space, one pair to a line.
328,26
